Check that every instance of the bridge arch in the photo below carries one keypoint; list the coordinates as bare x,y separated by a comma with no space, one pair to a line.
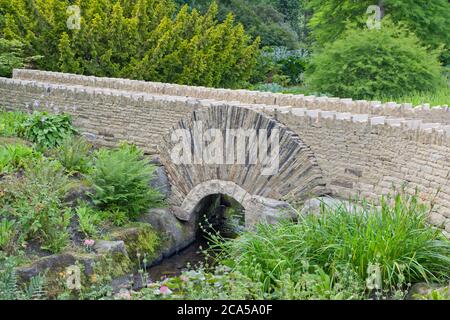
262,193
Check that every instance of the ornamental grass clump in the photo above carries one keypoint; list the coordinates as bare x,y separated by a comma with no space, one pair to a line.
382,247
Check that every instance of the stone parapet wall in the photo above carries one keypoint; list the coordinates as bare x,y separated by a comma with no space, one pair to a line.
358,154
105,116
425,112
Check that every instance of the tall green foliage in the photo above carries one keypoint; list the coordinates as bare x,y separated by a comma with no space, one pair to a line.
367,63
428,19
393,243
277,22
11,56
142,39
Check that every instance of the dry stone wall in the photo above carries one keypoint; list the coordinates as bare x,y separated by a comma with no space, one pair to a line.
360,153
424,112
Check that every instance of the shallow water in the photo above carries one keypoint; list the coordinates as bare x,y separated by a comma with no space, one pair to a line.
174,265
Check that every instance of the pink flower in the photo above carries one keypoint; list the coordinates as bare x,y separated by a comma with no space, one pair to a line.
165,290
124,294
89,242
184,278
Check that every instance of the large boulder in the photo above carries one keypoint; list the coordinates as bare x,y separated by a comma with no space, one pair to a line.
314,205
176,234
268,210
110,247
53,264
160,182
422,290
78,192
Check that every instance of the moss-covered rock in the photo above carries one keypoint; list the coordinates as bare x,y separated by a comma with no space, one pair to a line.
175,234
58,269
141,241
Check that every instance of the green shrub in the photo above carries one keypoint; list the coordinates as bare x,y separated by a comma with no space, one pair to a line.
121,181
280,66
15,156
73,154
146,39
11,123
47,131
394,243
34,202
364,64
427,19
11,56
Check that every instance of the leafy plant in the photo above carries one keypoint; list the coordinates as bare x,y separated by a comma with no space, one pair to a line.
116,216
435,294
201,284
47,131
73,154
365,63
427,19
89,220
121,178
10,56
15,156
279,66
34,202
11,123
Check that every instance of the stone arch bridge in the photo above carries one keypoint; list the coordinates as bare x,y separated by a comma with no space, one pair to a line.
332,146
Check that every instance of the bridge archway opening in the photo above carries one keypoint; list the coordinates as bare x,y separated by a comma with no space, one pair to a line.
219,214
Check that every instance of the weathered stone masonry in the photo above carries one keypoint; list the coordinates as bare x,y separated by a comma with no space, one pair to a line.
345,148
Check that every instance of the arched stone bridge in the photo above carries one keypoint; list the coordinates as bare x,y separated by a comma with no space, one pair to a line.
330,146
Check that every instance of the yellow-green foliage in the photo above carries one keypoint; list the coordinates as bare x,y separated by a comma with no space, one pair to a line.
368,63
143,39
141,241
